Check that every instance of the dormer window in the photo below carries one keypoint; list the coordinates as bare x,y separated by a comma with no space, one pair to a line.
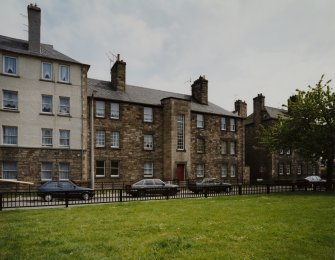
9,65
64,73
46,71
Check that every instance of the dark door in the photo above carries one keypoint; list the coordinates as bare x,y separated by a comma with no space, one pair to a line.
180,172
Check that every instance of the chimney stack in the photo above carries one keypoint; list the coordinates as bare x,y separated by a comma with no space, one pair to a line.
200,90
34,28
259,107
241,108
118,75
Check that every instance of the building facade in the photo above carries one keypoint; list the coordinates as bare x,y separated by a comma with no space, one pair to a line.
283,166
43,124
140,132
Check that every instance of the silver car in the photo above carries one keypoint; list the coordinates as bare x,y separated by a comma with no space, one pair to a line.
152,187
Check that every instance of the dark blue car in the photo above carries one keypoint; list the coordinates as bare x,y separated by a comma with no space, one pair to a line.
63,189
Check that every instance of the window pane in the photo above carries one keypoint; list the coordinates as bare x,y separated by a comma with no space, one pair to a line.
232,148
148,169
64,73
115,113
281,169
224,170
148,142
64,137
200,145
46,104
100,168
46,171
180,132
47,137
46,71
232,124
224,147
100,138
9,170
233,171
200,121
64,105
64,171
114,168
10,135
115,139
147,114
223,123
10,99
100,108
10,65
200,170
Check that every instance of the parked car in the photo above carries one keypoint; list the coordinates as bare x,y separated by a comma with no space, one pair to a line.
152,187
61,189
309,181
210,185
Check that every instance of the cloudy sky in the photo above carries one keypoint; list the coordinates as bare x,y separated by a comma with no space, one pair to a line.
243,47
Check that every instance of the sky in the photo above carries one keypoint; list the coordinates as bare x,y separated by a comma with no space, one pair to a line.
242,47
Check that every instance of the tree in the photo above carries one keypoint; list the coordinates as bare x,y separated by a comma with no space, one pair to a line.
308,128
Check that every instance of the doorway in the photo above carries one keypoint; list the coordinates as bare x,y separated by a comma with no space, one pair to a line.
180,173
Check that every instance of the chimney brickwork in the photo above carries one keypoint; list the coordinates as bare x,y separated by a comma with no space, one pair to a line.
200,90
241,108
118,75
34,28
259,107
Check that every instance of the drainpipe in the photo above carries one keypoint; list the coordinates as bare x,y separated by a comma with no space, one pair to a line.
92,140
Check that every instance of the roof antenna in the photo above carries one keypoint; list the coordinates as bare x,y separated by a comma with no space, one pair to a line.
111,57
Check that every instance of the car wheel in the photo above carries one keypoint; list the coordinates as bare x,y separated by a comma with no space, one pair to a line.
86,196
48,197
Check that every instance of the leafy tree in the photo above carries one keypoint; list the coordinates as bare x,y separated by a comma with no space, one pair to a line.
308,128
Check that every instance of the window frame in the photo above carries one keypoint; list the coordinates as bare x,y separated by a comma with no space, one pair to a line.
60,73
67,138
6,136
43,72
299,169
223,124
67,106
232,124
62,171
200,170
14,73
224,170
47,137
200,145
100,138
232,147
288,169
224,147
148,142
280,169
45,104
180,132
9,171
10,100
103,168
200,121
116,114
148,115
148,169
100,111
46,171
115,139
115,168
233,171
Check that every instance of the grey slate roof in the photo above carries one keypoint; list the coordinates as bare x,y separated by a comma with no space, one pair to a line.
21,47
146,96
273,113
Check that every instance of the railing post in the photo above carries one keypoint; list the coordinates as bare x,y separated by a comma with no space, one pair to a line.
120,195
240,189
206,193
0,201
293,187
267,188
66,199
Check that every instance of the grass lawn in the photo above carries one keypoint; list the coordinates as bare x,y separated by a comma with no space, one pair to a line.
286,226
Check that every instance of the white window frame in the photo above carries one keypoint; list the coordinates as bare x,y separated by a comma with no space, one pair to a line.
100,108
100,167
223,123
200,170
10,138
46,171
148,142
200,121
10,100
100,138
60,73
64,138
281,169
147,114
232,148
232,124
64,107
9,170
148,169
46,137
224,170
115,139
45,72
200,145
45,104
115,110
115,168
288,169
181,132
14,73
233,171
64,171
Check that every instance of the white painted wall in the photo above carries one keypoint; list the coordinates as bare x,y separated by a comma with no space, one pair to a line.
30,88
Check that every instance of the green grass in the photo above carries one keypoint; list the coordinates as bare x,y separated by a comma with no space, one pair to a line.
291,226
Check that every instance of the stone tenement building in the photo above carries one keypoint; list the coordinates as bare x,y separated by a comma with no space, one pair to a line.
141,132
43,124
277,167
